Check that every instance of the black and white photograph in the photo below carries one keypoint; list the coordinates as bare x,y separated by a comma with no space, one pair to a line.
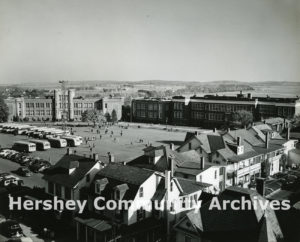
149,120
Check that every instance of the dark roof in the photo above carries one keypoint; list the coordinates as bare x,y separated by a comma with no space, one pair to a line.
190,186
124,173
215,142
191,168
232,224
59,173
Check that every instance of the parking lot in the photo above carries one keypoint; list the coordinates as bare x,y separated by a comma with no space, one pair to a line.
124,143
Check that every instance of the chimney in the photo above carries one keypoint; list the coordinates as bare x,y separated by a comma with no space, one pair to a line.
69,151
267,140
228,130
111,157
172,165
239,141
260,185
249,95
264,121
288,133
167,179
172,147
202,163
95,157
215,130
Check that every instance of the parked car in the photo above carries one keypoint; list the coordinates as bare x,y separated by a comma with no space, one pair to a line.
24,171
39,166
4,153
3,175
11,180
12,228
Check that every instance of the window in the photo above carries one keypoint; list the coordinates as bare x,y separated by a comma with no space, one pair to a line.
190,146
171,187
215,174
172,207
105,105
141,214
141,192
183,205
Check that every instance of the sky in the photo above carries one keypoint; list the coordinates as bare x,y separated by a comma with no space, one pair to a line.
132,40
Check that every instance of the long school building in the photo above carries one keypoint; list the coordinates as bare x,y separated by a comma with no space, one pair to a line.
211,110
60,105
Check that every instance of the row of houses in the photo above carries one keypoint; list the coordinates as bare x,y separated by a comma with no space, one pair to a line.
210,110
166,184
61,104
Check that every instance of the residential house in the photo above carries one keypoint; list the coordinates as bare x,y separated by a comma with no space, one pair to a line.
70,175
156,199
226,224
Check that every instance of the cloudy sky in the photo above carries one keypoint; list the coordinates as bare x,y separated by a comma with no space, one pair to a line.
189,40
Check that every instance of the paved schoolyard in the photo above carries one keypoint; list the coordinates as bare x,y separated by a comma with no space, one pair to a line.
124,148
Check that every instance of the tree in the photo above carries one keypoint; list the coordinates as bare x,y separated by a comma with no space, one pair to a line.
94,116
114,116
241,118
4,112
296,121
107,116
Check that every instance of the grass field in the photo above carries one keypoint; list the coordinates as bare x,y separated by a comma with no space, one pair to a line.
124,148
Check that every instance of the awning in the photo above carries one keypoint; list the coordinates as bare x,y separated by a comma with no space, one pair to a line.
97,224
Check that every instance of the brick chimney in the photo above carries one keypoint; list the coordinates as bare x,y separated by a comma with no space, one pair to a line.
167,179
69,151
111,157
239,141
172,147
202,163
267,140
95,157
172,165
215,130
288,133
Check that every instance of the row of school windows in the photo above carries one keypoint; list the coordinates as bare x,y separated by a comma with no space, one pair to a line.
220,107
37,105
38,112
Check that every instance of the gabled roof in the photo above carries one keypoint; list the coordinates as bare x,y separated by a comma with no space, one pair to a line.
190,186
127,174
59,173
232,224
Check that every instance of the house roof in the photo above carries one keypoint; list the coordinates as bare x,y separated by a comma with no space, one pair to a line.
59,173
124,173
229,222
190,186
191,168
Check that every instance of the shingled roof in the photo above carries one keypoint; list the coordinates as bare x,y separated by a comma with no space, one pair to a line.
59,173
228,223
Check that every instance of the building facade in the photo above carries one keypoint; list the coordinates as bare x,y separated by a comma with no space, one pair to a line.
62,105
214,110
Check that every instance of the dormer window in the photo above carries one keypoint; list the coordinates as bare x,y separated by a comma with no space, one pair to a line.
100,185
141,192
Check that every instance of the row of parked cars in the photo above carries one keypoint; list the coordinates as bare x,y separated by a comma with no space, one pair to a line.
28,164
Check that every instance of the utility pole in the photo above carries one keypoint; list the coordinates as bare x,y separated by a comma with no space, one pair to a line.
63,104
